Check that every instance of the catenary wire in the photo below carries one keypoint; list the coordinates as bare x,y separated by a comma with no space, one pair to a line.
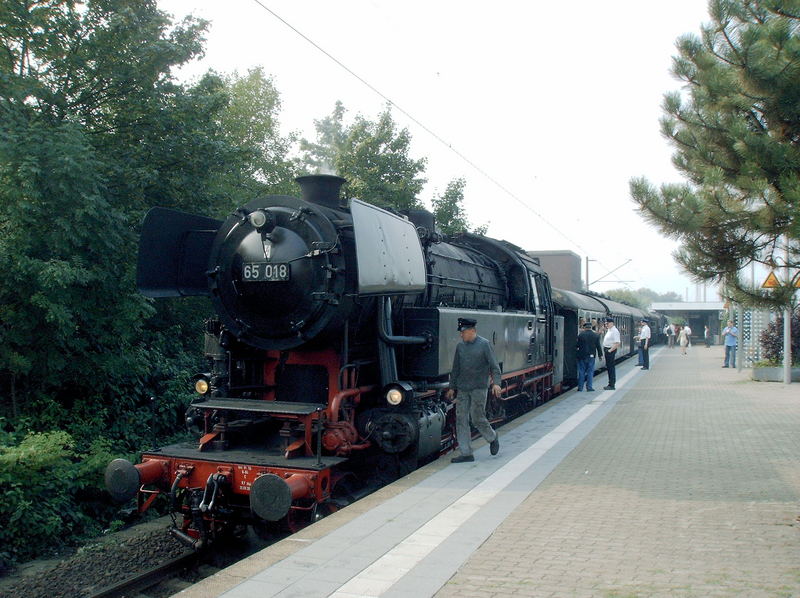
425,128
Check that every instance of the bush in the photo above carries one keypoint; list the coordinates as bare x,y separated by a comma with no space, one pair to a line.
772,340
49,494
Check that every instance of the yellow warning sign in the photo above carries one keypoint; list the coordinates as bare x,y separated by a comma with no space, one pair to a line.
771,282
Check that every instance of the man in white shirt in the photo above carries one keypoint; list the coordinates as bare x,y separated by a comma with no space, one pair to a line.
644,343
611,343
669,330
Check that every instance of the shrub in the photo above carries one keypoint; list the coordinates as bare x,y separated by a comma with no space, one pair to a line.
772,340
49,494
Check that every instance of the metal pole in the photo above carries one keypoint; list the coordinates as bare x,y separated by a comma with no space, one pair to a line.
319,437
740,349
787,325
787,346
587,272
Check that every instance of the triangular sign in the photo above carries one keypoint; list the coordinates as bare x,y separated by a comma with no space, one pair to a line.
771,282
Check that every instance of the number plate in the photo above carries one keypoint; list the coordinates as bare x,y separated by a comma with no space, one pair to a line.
265,271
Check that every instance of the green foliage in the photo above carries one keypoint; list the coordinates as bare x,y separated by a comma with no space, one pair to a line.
93,132
771,340
448,209
629,297
48,493
321,157
736,130
250,122
59,273
641,298
451,218
372,155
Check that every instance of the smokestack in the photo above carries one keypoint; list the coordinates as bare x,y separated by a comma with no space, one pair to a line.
322,189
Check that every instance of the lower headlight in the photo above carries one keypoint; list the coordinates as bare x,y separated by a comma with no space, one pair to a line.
394,396
201,386
398,393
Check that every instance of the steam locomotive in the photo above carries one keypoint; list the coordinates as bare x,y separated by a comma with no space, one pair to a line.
334,331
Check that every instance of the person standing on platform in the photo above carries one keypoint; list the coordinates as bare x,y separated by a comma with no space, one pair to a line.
644,344
473,363
611,343
588,346
707,336
730,334
669,330
683,338
639,350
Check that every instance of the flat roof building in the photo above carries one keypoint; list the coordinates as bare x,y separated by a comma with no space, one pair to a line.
563,267
696,314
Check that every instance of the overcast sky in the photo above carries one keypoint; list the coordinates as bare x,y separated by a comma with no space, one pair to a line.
558,102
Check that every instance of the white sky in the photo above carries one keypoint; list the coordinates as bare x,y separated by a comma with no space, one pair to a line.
558,102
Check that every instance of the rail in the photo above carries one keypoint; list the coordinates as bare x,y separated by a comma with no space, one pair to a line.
137,583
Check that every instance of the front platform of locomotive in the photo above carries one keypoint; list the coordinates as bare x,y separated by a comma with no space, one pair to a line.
277,411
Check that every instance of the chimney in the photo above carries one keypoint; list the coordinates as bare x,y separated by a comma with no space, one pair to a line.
322,189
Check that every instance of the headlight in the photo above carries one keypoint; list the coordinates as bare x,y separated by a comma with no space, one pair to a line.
398,393
257,218
202,386
394,397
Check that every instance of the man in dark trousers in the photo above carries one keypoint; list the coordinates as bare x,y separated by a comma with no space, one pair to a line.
588,347
611,342
644,343
473,363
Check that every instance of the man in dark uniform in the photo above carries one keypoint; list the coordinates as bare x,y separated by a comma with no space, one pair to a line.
474,361
588,346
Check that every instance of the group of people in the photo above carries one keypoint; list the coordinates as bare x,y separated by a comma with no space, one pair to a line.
682,333
730,338
475,364
590,346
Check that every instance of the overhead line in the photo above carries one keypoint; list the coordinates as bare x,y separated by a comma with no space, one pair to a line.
420,124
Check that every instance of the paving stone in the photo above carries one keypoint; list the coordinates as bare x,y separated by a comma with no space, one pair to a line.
688,488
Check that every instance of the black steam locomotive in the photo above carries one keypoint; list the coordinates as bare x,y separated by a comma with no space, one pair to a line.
335,329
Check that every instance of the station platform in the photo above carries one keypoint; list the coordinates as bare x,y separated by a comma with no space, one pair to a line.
684,481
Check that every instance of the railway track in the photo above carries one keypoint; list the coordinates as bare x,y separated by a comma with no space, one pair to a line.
141,583
181,571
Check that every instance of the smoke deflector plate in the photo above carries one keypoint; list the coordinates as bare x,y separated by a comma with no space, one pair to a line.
388,252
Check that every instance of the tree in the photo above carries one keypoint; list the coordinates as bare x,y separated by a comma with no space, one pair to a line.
642,297
57,269
736,130
451,218
321,157
668,297
69,313
94,131
250,121
372,155
628,297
